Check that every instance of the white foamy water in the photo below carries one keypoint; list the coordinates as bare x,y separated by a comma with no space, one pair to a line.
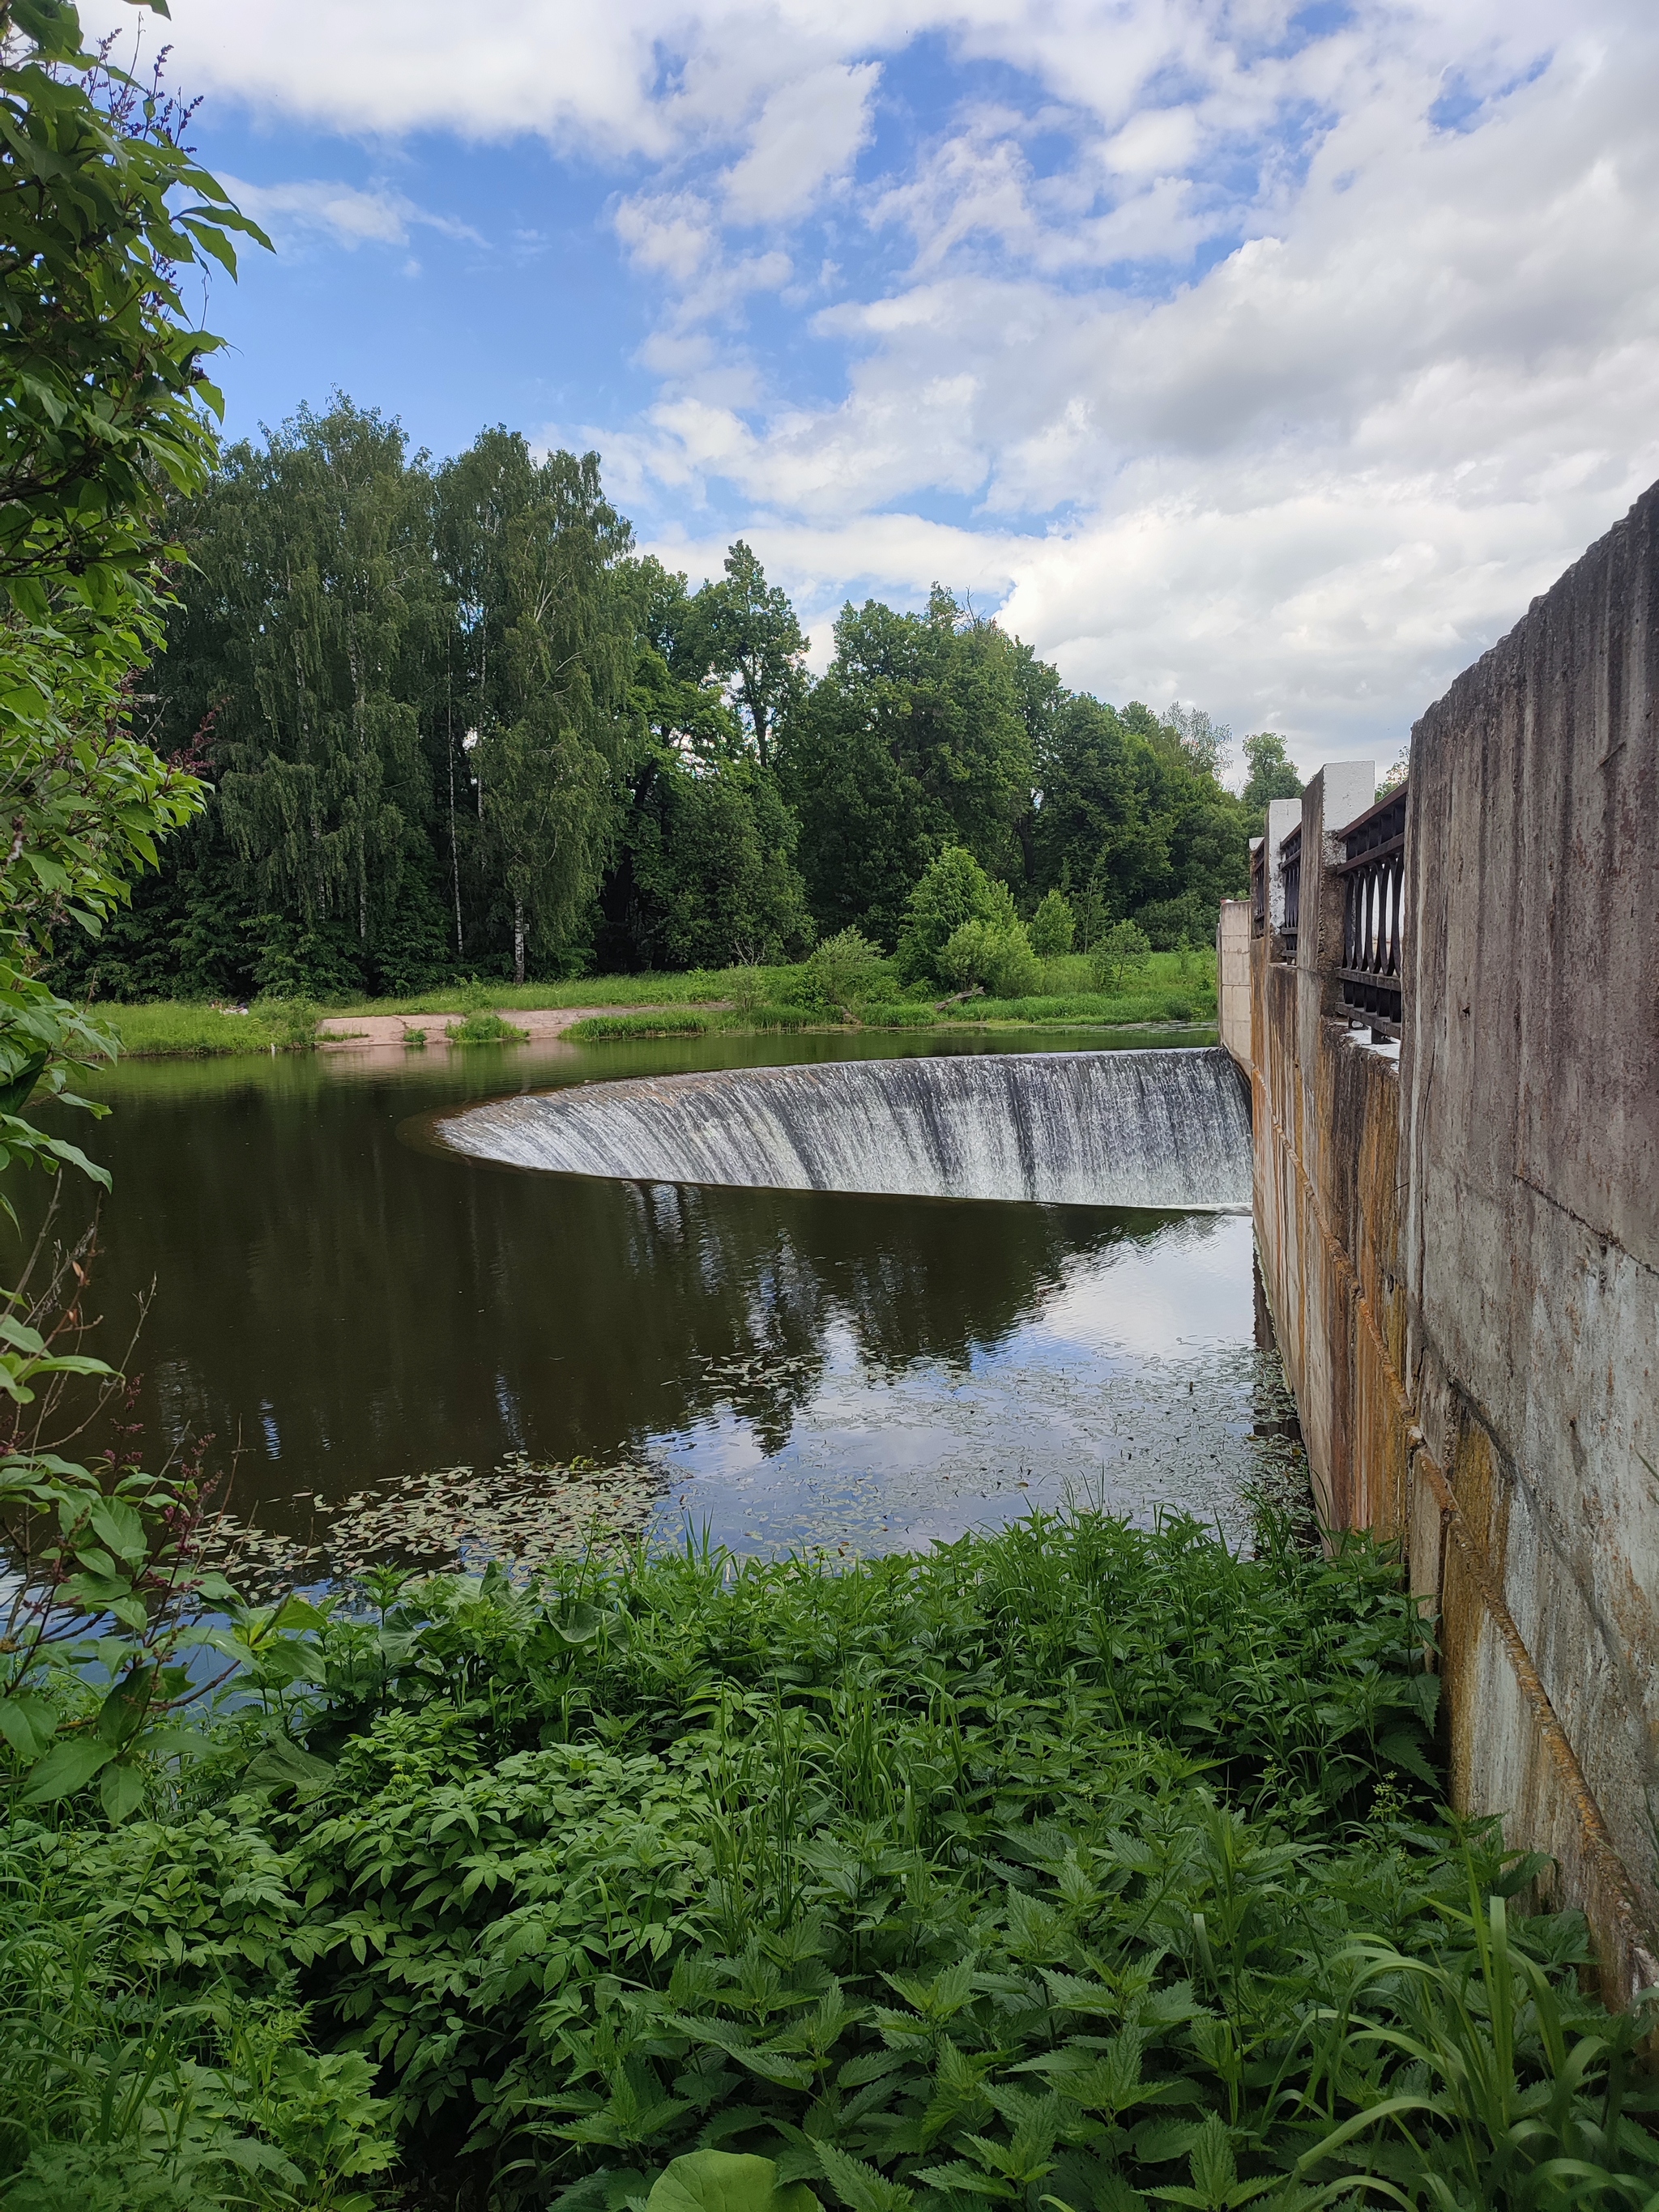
1156,1129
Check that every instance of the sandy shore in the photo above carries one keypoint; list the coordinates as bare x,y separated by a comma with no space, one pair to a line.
360,1031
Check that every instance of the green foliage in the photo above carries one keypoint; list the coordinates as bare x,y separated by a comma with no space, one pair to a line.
1053,926
600,1029
917,738
484,1028
536,556
1078,1866
1272,774
105,406
842,972
714,877
1122,957
954,888
746,632
122,2093
996,956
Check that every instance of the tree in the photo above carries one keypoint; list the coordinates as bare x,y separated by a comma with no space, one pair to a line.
953,889
996,956
1053,926
537,557
918,737
314,630
750,636
843,971
1204,743
1272,773
715,884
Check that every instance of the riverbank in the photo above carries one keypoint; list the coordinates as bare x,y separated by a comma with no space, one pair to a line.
1175,988
1076,1863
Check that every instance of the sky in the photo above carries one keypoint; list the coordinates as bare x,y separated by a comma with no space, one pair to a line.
1270,359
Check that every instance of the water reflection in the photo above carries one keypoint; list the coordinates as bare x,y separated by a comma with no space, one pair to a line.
346,1307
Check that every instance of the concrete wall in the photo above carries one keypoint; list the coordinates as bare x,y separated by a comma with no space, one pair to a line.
1460,1239
1233,978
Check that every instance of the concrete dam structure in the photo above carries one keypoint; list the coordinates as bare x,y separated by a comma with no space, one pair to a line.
1448,1005
1154,1129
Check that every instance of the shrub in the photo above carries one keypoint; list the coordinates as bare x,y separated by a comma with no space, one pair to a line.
997,956
1053,926
954,888
1122,957
841,971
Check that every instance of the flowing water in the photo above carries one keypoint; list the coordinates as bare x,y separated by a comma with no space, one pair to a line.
340,1298
1167,1129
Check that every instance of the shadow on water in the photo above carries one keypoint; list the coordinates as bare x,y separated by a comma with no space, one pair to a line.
348,1308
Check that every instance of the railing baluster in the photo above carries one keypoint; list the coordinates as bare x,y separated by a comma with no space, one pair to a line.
1373,936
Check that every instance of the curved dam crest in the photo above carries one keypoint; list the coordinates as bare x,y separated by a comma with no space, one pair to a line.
1158,1129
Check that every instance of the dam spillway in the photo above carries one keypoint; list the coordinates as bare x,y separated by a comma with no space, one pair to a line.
1160,1129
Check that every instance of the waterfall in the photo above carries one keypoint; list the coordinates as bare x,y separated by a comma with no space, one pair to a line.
1163,1129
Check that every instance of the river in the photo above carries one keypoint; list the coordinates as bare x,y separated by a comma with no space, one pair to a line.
339,1302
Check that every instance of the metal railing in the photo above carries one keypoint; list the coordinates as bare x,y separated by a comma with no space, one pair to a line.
1374,869
1259,888
1290,873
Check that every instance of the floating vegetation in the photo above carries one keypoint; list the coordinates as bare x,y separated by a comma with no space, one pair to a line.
521,1513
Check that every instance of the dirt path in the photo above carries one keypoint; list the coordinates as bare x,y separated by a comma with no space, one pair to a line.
357,1032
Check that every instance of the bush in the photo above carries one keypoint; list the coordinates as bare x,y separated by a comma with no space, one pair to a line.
998,957
841,971
1053,926
1121,956
954,889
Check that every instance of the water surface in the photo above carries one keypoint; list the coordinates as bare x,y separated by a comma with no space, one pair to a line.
338,1302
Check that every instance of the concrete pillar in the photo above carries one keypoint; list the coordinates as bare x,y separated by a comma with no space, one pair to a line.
1233,979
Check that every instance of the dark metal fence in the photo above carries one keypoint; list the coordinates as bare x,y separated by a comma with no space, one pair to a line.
1259,888
1290,872
1374,867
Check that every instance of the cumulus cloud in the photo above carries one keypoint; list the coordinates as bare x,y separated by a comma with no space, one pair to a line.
1269,367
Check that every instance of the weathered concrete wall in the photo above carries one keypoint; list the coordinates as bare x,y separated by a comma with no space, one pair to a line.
1461,1240
1233,978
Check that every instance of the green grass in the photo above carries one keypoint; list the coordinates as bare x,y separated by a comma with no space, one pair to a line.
1162,994
1075,1865
171,1027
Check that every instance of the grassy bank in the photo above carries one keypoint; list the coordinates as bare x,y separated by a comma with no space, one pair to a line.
1175,987
1076,1866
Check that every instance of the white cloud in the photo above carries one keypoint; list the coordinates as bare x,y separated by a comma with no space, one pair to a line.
807,134
1242,377
345,215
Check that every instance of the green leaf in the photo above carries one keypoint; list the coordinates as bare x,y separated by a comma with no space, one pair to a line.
67,1767
725,2181
859,2186
121,1787
28,1724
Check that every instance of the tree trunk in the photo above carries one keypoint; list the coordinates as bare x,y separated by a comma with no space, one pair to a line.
518,941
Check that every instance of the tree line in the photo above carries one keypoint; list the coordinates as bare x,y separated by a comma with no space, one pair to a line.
454,723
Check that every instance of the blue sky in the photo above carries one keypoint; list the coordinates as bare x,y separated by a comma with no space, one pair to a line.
1264,357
